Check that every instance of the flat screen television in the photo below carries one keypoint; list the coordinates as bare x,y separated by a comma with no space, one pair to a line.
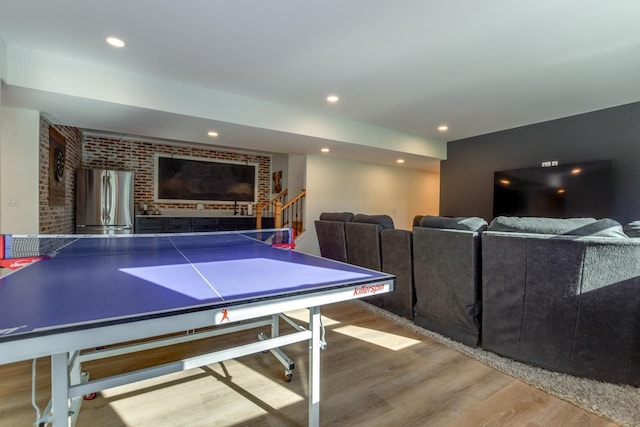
564,191
194,179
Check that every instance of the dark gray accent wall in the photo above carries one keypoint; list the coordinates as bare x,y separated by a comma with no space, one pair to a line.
466,177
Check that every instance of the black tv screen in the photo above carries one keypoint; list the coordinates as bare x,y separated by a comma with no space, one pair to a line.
565,191
188,179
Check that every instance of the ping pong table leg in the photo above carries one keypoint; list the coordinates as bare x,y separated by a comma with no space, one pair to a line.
275,325
60,389
277,352
314,366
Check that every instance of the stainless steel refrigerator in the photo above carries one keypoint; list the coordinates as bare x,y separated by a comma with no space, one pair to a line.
104,201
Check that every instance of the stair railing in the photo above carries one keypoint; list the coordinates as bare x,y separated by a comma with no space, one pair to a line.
288,214
291,214
269,209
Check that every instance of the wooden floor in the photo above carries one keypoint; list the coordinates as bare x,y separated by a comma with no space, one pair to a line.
374,373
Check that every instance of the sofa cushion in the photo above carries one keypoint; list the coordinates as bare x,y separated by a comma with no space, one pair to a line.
605,227
417,219
336,216
632,229
472,223
384,221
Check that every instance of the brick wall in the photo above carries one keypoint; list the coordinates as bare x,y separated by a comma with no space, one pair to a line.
59,219
138,156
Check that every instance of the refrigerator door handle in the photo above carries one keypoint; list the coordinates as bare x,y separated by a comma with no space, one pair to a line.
103,192
108,197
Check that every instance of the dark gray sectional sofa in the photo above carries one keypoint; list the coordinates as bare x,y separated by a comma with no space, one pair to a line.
563,294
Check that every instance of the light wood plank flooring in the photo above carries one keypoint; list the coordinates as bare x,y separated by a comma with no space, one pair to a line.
374,373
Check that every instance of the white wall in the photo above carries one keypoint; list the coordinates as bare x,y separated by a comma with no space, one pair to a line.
293,172
280,162
341,185
19,166
296,177
3,60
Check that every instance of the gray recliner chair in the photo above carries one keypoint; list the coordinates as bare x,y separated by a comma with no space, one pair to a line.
446,266
363,239
364,247
331,234
397,259
373,242
563,294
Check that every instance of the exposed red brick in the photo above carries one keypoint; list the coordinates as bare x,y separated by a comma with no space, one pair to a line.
130,154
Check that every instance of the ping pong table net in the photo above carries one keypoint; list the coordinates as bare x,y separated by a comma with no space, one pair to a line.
19,250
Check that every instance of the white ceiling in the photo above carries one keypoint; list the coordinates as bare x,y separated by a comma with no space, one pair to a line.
405,65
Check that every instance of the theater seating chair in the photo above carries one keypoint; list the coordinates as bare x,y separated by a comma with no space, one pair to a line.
331,234
446,265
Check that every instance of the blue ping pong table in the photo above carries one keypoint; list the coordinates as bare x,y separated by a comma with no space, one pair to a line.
89,297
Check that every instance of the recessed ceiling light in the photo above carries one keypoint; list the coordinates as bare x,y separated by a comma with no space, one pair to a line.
333,99
114,41
400,161
212,134
325,150
443,128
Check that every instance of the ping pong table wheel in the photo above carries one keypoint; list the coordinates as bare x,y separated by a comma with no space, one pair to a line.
288,377
89,396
